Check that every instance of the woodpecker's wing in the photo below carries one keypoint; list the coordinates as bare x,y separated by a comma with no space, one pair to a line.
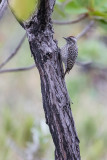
72,55
64,54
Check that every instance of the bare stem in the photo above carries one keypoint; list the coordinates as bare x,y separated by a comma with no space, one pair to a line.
84,64
85,30
18,69
3,7
14,52
89,65
83,16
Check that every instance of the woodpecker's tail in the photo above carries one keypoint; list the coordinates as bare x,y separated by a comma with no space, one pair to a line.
66,73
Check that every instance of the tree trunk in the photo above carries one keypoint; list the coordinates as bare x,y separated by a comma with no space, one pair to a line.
55,97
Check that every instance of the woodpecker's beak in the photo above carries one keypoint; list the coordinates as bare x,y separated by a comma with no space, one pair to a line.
65,38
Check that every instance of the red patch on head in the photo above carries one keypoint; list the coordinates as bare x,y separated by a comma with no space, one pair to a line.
72,36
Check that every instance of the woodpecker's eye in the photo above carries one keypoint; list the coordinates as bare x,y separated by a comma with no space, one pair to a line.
69,39
72,39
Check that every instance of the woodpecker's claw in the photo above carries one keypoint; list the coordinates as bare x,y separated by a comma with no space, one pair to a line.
64,75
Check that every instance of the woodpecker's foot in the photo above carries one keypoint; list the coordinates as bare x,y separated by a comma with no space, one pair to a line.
63,75
71,101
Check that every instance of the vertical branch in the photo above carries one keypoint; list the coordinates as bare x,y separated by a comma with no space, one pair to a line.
3,7
55,97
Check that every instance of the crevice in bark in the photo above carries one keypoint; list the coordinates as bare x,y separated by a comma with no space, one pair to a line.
55,97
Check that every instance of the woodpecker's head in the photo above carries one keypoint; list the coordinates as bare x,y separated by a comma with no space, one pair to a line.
71,39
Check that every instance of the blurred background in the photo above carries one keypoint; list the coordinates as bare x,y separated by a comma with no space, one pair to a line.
23,132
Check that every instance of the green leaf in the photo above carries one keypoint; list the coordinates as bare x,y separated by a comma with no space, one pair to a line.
103,24
60,1
74,8
99,14
59,11
85,3
100,5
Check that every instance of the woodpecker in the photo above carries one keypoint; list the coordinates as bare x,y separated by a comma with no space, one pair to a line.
69,53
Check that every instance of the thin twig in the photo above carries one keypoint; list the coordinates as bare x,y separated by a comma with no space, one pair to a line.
3,7
87,65
14,52
70,22
84,64
85,30
17,69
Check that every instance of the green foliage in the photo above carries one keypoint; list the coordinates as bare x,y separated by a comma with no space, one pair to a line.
74,87
90,139
97,9
88,129
15,130
103,23
89,119
74,8
8,123
92,50
23,132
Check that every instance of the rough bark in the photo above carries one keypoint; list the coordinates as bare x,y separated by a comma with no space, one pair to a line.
56,101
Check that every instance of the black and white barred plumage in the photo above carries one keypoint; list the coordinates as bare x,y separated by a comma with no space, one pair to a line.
69,53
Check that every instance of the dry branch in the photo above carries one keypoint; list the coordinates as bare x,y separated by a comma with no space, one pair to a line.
84,64
85,30
56,100
71,22
17,69
14,52
3,7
